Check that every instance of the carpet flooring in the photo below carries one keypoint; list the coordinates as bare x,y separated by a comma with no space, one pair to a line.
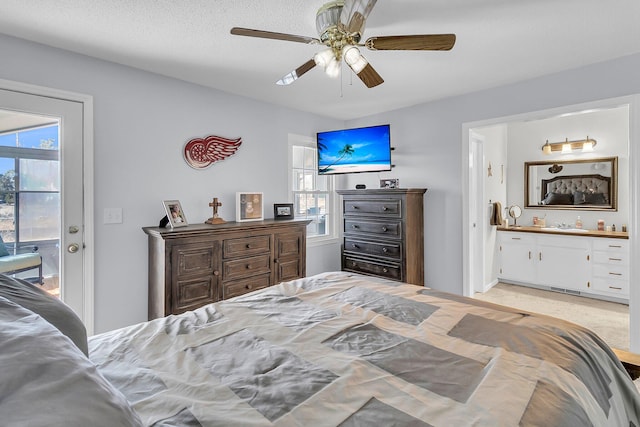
609,320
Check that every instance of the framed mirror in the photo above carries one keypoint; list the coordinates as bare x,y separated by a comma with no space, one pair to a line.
584,184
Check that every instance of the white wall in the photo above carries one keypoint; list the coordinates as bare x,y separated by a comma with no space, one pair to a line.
142,121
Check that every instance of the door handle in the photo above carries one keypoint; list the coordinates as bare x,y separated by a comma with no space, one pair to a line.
73,248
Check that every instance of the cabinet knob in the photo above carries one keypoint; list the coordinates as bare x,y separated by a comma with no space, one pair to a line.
248,287
385,229
354,264
248,266
216,273
384,270
354,246
275,260
354,226
248,246
385,250
384,208
354,207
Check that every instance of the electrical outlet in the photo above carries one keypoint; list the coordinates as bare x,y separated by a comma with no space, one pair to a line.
113,215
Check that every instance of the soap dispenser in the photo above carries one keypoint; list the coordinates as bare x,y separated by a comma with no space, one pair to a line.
578,222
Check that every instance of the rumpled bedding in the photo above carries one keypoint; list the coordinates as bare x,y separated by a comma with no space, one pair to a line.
341,349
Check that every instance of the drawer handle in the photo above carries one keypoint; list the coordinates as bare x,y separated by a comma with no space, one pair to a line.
354,207
615,288
615,274
384,208
355,226
385,229
248,266
248,246
615,259
384,270
248,287
615,246
385,250
353,245
515,238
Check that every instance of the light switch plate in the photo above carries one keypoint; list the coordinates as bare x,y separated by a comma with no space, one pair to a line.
113,215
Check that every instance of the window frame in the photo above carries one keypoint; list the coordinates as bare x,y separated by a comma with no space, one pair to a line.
332,199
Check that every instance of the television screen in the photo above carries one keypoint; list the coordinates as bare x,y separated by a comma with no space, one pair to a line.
366,149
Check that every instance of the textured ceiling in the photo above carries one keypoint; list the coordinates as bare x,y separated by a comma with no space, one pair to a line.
498,42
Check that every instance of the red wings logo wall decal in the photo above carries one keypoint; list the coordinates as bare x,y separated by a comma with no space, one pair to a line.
201,153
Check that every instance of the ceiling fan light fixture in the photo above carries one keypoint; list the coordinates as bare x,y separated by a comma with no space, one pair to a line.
333,68
354,59
328,16
324,57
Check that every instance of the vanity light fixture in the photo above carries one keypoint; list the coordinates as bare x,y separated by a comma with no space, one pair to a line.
567,146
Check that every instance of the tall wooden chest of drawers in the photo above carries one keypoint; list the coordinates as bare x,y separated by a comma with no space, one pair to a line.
199,264
384,233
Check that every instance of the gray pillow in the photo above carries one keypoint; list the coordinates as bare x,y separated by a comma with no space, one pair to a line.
557,199
49,307
46,381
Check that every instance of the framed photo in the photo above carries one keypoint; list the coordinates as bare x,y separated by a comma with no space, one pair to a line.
283,211
249,207
390,183
175,214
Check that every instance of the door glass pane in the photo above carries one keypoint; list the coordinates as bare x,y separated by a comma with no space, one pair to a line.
8,222
39,175
39,215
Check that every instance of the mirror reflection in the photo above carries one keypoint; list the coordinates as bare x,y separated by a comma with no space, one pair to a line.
585,184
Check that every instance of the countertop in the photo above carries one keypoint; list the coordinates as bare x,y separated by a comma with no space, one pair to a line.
570,232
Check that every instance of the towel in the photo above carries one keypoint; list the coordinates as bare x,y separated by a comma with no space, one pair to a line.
496,216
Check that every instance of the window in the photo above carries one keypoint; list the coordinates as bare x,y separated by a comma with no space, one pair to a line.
313,195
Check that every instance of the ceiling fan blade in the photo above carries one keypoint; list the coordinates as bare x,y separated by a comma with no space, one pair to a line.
414,42
354,15
297,73
370,76
237,31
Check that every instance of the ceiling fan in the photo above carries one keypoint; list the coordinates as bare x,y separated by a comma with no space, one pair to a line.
340,25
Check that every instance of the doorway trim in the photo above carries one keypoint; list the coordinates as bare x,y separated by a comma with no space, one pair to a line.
87,178
633,101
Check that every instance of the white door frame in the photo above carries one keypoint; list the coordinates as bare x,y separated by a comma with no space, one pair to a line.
87,314
633,101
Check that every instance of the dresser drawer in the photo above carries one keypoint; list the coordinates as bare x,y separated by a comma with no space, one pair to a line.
193,293
383,208
611,286
246,267
387,270
193,259
356,226
246,246
381,249
242,286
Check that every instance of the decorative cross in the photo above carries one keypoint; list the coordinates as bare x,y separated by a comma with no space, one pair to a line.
215,204
215,219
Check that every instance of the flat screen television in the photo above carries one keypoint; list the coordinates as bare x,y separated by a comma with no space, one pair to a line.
365,149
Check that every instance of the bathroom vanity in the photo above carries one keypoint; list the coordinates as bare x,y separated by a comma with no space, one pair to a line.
580,262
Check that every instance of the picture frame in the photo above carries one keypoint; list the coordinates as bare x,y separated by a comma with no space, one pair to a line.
390,183
175,214
283,211
249,206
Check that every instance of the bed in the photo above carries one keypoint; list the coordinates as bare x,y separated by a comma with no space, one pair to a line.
342,349
585,190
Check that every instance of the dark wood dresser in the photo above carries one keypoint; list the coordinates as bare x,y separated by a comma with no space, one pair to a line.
384,233
199,264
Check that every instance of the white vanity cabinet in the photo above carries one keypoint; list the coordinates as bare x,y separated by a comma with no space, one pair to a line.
517,252
611,267
585,265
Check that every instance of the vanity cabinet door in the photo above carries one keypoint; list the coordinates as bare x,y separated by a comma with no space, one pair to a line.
564,262
517,252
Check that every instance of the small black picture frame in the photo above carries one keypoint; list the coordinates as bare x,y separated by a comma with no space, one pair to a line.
283,210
